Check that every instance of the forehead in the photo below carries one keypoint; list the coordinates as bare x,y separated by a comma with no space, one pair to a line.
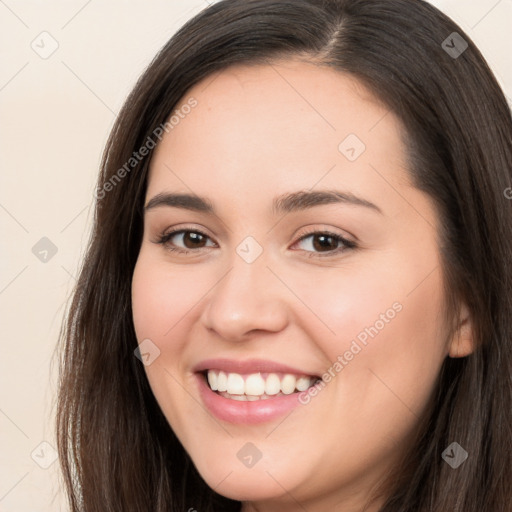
270,127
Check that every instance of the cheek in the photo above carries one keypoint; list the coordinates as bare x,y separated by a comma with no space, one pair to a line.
161,299
163,306
386,344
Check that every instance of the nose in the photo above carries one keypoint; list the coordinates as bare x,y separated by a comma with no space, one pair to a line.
248,298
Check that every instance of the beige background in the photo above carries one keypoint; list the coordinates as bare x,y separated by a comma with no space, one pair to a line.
56,113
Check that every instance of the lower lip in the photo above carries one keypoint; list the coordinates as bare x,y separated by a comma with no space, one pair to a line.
248,413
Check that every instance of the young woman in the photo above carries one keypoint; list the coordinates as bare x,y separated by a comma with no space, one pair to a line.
296,296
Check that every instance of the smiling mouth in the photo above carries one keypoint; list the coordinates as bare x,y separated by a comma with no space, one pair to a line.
256,386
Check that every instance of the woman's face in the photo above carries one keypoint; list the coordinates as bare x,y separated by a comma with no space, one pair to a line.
289,156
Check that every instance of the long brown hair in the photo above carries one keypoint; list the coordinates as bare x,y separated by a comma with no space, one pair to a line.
117,451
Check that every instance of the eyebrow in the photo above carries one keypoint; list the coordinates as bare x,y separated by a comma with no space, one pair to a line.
285,203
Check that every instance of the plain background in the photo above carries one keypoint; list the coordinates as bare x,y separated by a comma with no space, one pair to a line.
56,112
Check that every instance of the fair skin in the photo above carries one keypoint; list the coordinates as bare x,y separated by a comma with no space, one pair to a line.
259,132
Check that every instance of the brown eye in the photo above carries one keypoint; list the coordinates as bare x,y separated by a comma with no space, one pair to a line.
184,240
193,239
325,244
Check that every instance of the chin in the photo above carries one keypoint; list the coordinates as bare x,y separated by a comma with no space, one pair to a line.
246,484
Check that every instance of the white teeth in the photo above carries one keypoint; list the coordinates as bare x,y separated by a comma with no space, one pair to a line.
272,384
212,380
303,383
235,385
222,381
240,398
288,384
255,386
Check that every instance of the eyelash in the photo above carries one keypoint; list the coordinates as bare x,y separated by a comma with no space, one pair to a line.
164,238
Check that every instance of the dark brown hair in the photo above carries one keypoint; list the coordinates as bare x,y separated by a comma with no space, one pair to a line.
117,450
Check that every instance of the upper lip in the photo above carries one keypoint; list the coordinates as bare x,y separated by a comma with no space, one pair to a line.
248,366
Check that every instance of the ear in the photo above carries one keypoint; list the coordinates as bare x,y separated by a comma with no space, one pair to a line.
463,342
